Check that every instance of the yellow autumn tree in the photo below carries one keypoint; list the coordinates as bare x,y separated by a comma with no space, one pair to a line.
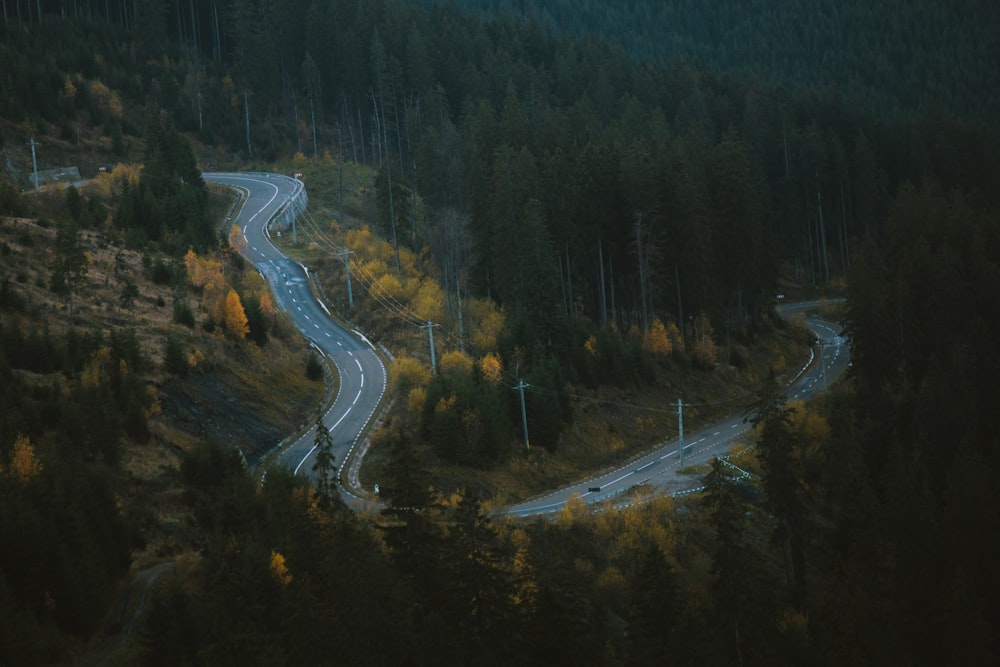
214,295
656,341
202,271
488,322
674,335
410,372
456,363
107,100
279,570
235,317
445,405
24,463
415,400
191,264
387,286
109,183
429,301
573,511
492,369
67,96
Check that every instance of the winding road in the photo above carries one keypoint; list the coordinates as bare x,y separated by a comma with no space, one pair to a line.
363,376
829,358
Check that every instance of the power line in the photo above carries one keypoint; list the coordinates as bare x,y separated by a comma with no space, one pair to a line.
364,276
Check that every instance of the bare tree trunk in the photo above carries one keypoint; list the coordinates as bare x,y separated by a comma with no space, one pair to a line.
346,115
180,23
312,112
295,118
809,244
194,27
458,297
569,280
642,270
413,211
384,139
376,129
602,297
784,142
611,271
562,287
680,304
822,234
392,217
399,134
361,138
407,106
217,46
845,255
246,111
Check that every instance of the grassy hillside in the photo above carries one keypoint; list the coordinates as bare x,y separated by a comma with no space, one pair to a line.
110,379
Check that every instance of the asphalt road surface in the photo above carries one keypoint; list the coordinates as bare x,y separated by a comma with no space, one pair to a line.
362,375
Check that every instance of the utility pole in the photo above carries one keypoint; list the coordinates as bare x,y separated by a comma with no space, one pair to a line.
680,430
430,334
347,265
246,113
521,386
34,162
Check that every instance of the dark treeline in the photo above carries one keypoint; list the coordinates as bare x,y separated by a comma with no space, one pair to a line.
914,444
557,176
67,404
890,56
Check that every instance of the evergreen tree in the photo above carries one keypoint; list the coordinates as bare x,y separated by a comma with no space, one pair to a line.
777,443
324,466
655,627
730,560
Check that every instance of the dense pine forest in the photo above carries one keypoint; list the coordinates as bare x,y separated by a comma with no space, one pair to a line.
592,182
893,57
